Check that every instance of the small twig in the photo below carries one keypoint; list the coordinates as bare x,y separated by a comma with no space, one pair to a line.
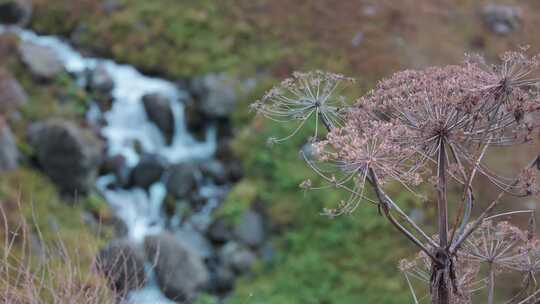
508,213
475,224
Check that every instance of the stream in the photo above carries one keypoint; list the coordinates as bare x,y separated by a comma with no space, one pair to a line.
129,133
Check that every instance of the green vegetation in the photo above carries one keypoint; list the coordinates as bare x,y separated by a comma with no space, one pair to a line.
175,38
33,196
349,259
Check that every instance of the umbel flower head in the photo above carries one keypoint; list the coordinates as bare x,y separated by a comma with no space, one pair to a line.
494,243
455,105
304,96
360,148
506,94
362,145
428,103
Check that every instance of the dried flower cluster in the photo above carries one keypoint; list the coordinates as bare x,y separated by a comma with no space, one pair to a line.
426,125
303,96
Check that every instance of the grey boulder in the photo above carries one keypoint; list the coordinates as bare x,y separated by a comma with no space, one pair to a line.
12,95
122,263
502,19
9,154
148,171
100,81
237,257
215,95
180,180
250,230
158,109
180,273
15,12
68,154
42,61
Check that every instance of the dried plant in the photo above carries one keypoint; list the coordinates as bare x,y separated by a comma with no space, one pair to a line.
433,125
35,271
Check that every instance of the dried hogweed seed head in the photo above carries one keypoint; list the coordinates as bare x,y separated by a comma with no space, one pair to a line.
495,244
364,144
360,148
433,104
304,96
508,92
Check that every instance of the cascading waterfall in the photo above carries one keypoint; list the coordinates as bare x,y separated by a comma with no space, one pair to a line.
126,126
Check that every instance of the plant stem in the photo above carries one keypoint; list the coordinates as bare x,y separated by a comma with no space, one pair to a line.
442,204
441,271
385,204
491,284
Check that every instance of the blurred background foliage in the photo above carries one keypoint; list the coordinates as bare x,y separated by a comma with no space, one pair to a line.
350,259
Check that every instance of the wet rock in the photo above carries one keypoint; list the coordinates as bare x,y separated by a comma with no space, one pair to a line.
9,154
195,241
197,201
215,170
158,109
233,166
216,95
12,95
181,180
100,81
15,12
235,171
250,230
148,171
69,155
42,61
502,19
219,232
117,166
180,273
237,257
123,265
221,279
119,227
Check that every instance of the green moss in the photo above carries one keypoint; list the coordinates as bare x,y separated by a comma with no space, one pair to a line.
29,194
98,207
171,37
238,200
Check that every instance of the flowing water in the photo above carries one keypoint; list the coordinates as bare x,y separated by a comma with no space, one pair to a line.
127,131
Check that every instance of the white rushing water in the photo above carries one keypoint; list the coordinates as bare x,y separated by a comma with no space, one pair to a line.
126,127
